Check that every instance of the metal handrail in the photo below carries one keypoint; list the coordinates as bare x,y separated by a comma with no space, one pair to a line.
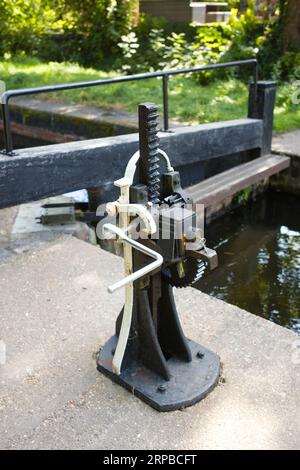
164,74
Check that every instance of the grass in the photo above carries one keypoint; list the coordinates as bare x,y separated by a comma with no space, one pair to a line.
188,101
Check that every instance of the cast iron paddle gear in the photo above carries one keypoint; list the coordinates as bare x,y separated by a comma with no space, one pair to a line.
154,216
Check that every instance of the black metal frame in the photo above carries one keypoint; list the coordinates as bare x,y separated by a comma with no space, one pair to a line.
164,74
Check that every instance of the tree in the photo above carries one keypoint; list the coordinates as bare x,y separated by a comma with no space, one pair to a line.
290,24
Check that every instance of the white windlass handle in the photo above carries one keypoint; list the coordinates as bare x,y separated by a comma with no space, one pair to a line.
138,246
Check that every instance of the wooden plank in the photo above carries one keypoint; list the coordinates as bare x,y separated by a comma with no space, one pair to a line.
39,172
214,190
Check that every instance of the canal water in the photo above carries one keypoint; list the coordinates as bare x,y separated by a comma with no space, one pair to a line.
259,259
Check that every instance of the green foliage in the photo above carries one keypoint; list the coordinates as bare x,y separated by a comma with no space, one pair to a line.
138,57
288,66
244,33
100,33
244,195
23,23
275,60
151,46
154,44
243,29
87,32
96,27
188,101
173,50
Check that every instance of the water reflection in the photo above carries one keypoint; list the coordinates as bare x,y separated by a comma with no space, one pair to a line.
259,259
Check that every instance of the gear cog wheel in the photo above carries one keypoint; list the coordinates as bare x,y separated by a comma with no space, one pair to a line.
186,273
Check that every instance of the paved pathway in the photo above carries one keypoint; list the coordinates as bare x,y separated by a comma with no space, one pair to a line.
55,312
288,143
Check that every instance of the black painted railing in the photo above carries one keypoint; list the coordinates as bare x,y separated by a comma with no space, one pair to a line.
164,74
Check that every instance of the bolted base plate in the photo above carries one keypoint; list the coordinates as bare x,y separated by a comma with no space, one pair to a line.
190,381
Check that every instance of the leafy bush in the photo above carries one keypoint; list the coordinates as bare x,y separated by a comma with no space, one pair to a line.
288,66
96,27
164,49
87,32
23,24
244,33
148,48
100,33
152,45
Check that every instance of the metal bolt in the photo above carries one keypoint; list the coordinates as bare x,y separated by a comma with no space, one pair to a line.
200,355
161,388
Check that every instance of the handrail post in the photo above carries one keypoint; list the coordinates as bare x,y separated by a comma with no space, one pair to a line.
261,106
255,80
165,79
6,128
